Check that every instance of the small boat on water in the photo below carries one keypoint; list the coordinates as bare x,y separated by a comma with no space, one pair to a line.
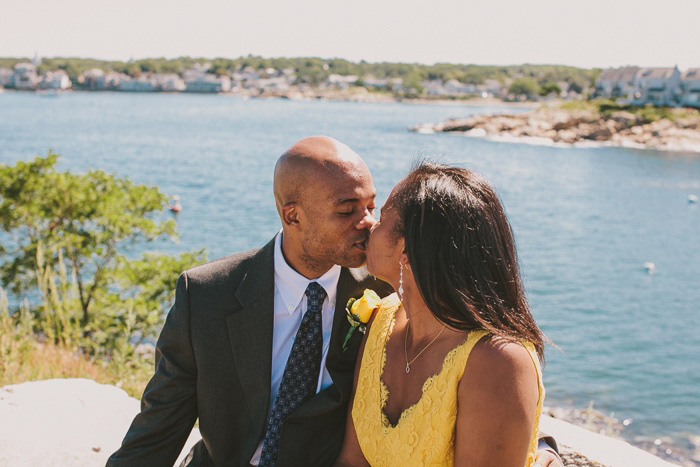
650,268
175,206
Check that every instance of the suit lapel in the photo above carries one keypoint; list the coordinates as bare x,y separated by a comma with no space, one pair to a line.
250,332
347,286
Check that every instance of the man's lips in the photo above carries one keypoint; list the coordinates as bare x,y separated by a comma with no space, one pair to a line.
362,244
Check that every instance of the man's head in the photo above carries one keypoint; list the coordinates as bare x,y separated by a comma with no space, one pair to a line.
325,199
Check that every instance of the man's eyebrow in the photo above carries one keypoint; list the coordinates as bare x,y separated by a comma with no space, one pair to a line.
351,200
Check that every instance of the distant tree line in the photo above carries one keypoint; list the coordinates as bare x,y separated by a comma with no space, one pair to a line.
314,70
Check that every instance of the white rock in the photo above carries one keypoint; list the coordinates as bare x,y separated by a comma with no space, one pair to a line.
72,422
607,451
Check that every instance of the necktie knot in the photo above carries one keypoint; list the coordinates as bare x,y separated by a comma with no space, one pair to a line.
316,295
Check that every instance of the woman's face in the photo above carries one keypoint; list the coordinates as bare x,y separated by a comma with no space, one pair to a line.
384,248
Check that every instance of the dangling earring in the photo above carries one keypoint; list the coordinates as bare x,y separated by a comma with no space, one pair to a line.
401,281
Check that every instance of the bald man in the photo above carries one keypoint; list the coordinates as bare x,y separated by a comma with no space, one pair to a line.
232,332
222,352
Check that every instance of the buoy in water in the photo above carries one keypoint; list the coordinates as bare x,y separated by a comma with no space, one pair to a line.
650,267
692,199
175,206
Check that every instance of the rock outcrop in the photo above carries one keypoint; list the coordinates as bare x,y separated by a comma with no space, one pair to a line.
65,422
579,128
77,422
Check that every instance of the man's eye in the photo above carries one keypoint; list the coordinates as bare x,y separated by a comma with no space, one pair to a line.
346,214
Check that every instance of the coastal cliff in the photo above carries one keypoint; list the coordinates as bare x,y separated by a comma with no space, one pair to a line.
585,125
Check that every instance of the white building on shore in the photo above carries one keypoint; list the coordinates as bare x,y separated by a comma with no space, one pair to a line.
55,80
143,83
208,83
6,76
25,76
617,83
658,86
170,83
690,86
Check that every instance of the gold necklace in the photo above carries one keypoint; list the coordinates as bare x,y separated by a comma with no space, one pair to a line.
405,346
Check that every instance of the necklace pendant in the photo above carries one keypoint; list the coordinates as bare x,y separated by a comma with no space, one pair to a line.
408,368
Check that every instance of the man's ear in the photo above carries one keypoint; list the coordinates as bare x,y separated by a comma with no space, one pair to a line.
290,215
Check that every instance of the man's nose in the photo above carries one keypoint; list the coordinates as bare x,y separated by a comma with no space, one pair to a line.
367,221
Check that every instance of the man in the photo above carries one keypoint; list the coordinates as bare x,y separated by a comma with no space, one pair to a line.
245,328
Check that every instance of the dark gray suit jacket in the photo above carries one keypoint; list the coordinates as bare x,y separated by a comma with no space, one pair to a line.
213,362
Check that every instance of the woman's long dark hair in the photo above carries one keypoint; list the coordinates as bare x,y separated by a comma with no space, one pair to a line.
462,252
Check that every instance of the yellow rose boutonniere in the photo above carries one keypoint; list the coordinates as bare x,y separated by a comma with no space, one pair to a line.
359,312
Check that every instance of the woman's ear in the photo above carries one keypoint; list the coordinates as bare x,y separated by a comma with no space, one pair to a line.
403,259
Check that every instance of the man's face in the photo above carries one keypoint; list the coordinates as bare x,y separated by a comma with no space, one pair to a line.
337,216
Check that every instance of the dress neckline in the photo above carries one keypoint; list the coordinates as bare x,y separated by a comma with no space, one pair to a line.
427,384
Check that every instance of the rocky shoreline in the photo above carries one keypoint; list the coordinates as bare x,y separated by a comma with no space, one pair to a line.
551,126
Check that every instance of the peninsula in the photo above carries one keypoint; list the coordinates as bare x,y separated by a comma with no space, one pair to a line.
591,123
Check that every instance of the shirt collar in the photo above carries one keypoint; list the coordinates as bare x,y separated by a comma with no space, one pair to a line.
292,285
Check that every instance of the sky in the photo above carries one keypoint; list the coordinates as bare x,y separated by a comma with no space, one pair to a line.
594,33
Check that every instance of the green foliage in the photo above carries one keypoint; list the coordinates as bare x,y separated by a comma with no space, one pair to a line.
525,87
314,70
550,88
132,307
64,243
647,114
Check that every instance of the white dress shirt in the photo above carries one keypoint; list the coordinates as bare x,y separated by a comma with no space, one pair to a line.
290,306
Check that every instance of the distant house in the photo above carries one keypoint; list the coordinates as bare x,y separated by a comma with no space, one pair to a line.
6,76
690,88
434,87
658,86
491,87
143,83
208,83
616,83
370,81
55,80
246,78
454,87
25,76
340,81
277,83
170,83
98,80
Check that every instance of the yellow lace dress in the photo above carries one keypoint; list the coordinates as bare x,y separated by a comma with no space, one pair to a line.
424,434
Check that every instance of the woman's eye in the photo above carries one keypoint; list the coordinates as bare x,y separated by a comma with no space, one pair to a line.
346,214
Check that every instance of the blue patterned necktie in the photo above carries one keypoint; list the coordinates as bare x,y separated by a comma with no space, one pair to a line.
300,377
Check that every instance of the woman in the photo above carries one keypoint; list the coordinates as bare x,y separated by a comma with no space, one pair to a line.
462,382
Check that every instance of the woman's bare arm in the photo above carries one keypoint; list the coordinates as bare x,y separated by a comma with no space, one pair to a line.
496,405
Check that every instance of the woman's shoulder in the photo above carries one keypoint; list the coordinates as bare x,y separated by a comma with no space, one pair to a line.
496,352
500,359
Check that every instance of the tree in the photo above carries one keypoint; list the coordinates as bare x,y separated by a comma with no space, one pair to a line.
134,70
524,87
66,235
550,88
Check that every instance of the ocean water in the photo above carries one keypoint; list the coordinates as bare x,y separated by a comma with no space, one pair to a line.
585,219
